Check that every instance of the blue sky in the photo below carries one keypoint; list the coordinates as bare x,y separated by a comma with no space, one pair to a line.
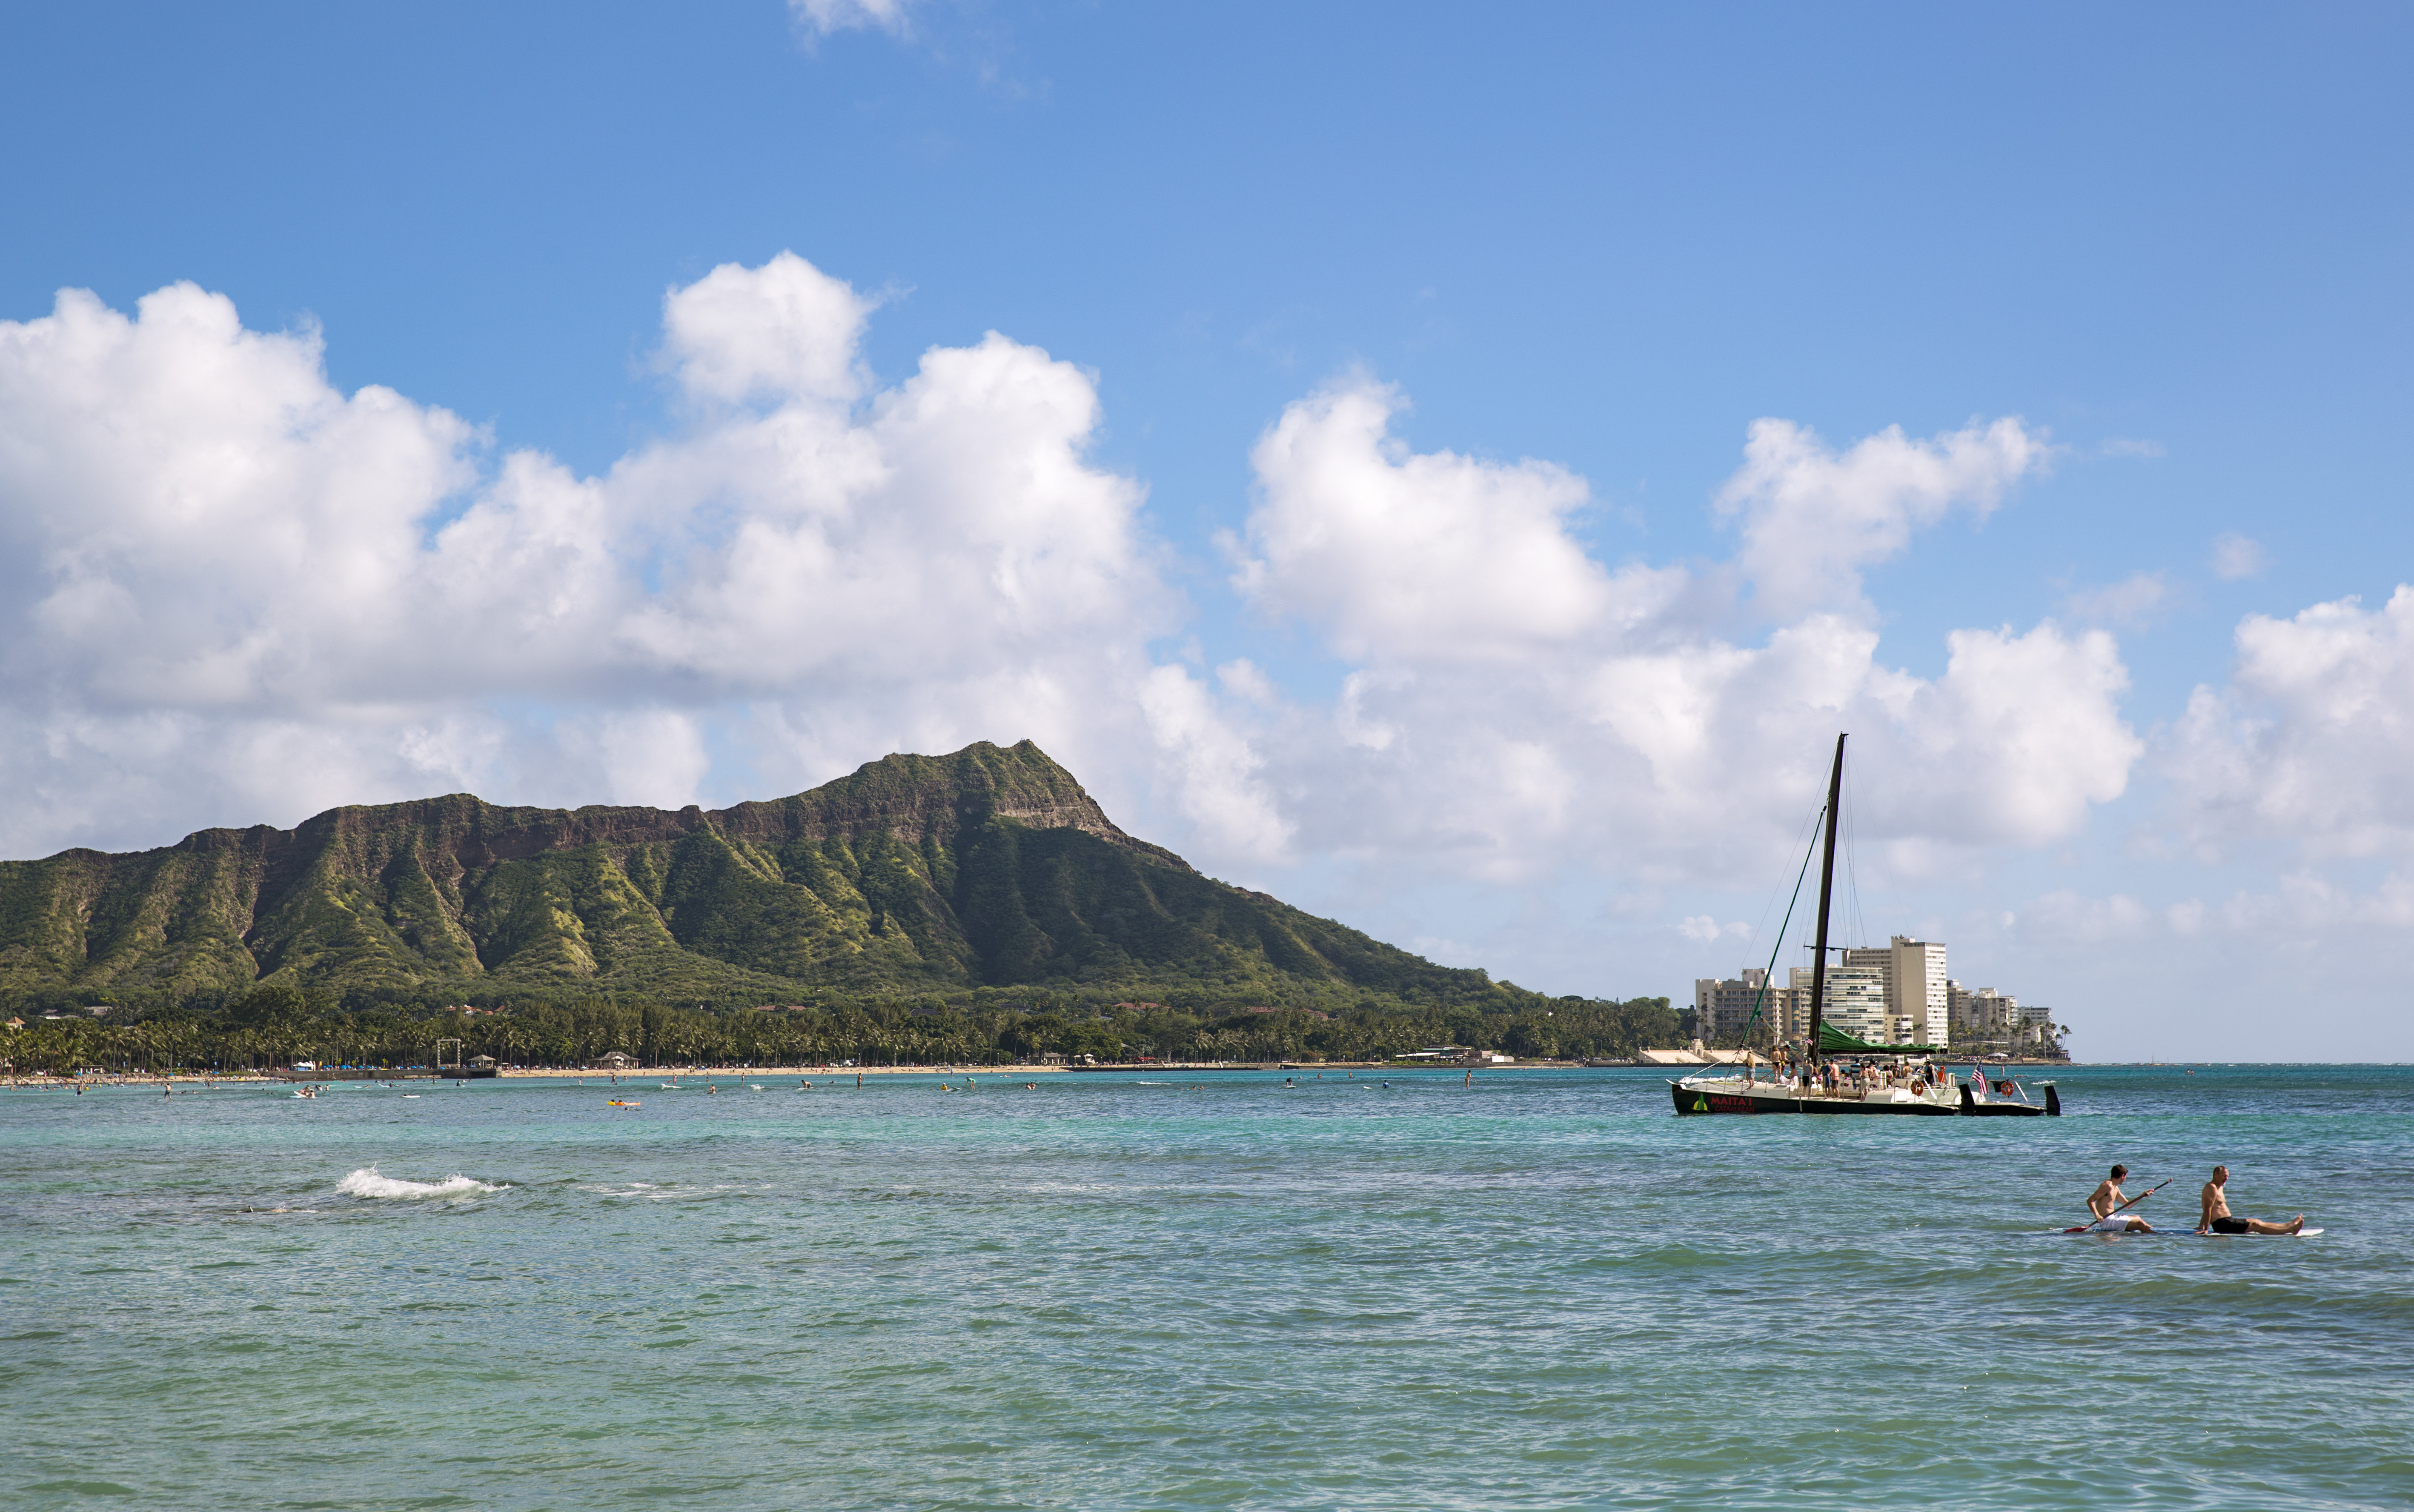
2169,244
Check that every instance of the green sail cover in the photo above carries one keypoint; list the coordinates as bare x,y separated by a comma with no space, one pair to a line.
1834,1041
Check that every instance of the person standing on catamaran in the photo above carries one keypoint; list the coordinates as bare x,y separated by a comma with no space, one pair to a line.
2106,1198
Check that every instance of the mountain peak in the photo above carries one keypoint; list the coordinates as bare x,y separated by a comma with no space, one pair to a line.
917,798
990,866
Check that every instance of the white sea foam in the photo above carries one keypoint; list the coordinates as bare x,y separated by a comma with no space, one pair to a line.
366,1182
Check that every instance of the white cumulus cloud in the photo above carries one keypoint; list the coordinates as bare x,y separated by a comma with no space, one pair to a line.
231,592
785,329
1812,518
1399,554
2306,742
1515,704
1215,770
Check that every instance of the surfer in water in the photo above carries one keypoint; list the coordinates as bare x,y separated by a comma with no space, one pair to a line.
2217,1219
2107,1197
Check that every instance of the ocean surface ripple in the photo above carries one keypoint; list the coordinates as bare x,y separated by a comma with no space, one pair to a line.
1199,1290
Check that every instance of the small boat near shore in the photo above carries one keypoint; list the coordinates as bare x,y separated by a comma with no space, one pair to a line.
1839,1074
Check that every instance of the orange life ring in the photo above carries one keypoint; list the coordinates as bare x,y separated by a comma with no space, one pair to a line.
1919,1087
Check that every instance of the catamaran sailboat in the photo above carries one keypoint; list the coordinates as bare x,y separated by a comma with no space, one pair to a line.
1842,1073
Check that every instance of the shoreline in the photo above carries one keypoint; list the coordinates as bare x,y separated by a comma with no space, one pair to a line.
38,1081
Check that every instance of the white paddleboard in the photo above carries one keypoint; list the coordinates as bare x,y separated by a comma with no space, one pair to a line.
2300,1234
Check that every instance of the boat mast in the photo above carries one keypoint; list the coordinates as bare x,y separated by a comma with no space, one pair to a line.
1826,891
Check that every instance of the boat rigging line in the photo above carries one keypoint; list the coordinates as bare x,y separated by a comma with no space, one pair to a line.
1777,948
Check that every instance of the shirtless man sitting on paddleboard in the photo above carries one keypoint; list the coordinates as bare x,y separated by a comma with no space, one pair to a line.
2216,1218
2107,1197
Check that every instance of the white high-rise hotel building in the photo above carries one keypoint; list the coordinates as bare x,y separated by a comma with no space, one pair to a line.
1919,1003
1892,995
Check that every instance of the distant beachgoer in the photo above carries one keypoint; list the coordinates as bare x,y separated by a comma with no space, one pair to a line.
2216,1217
1386,1086
2105,1201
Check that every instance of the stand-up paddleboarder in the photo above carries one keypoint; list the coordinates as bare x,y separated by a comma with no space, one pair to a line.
2104,1201
2216,1218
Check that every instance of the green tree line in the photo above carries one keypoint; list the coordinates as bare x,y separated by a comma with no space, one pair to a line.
275,1023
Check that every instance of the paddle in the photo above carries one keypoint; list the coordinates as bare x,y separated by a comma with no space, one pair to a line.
2132,1202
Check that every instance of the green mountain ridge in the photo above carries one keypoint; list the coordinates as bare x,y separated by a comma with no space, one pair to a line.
987,868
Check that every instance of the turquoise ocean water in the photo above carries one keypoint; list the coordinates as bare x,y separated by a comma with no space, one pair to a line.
1197,1291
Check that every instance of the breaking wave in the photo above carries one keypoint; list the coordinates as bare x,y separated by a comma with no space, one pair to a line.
366,1182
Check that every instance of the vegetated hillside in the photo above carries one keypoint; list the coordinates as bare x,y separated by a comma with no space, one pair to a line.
985,868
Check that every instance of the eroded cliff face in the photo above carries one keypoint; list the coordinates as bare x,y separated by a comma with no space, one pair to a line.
990,864
911,799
